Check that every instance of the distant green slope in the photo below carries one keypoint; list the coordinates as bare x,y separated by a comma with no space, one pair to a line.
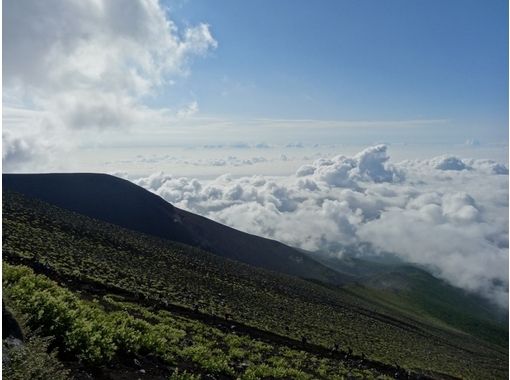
415,291
390,282
75,249
357,268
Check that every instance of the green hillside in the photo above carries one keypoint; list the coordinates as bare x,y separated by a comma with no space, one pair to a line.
415,291
409,289
100,330
200,304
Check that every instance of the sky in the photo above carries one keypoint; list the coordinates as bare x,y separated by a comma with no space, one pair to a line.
384,122
105,76
444,63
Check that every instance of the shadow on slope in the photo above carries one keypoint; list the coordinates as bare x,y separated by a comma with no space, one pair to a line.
123,203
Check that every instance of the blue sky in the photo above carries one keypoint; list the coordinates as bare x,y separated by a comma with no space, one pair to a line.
353,60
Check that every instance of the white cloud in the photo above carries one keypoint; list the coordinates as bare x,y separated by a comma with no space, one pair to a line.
18,150
228,161
370,164
448,163
188,111
453,221
91,64
488,166
305,170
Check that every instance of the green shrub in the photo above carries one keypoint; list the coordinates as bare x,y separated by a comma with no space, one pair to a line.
184,375
30,359
83,328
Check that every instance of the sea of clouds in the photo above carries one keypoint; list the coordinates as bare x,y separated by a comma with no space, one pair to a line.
445,213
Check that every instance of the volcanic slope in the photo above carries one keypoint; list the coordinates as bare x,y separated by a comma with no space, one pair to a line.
112,269
125,204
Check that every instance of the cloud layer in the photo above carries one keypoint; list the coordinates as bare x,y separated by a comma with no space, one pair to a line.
91,64
446,213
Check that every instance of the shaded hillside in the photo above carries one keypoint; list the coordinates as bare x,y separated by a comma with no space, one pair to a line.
386,280
349,264
416,291
96,259
123,203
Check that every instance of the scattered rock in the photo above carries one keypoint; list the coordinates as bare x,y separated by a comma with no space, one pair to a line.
10,326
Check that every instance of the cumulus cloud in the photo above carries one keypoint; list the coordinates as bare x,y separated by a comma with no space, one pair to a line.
451,163
102,46
91,64
453,221
448,163
488,166
340,171
18,150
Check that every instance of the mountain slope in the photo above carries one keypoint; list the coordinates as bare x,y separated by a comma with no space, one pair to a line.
386,280
121,202
414,290
162,282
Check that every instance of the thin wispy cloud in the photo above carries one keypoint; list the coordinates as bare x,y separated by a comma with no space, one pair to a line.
318,123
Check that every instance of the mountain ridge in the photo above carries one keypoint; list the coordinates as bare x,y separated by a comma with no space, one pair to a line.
118,201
